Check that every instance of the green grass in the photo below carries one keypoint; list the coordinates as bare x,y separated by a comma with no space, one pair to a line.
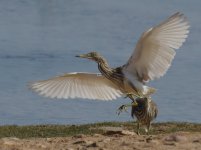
71,130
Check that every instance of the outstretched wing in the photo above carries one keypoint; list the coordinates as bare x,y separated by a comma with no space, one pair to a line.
155,49
77,85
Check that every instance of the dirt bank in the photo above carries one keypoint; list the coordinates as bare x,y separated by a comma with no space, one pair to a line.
117,141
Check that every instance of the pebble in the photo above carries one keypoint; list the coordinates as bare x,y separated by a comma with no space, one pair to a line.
102,148
91,144
112,130
50,140
126,132
79,136
70,149
148,140
80,148
155,142
176,138
124,143
80,142
106,140
42,146
170,143
97,135
196,141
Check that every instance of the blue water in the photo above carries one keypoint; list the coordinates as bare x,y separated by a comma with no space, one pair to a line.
39,39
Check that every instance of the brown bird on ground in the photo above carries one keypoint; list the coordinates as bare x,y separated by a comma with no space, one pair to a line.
144,109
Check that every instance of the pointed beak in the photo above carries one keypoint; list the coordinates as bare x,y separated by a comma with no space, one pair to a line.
82,56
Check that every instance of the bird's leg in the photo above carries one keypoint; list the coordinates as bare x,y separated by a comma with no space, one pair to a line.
138,128
148,128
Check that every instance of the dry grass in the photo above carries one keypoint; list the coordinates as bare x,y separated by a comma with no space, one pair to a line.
71,130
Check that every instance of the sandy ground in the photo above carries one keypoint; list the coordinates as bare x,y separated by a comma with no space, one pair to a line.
124,140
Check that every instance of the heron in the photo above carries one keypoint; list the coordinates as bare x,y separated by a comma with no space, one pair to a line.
144,109
150,60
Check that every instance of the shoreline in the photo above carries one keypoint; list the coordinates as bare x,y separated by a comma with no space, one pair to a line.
101,136
55,130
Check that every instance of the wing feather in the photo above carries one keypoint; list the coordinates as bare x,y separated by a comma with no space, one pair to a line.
77,85
155,49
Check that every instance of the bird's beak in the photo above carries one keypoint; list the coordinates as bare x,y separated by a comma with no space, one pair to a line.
82,56
79,56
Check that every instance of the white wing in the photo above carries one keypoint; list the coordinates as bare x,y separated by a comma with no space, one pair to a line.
155,49
80,85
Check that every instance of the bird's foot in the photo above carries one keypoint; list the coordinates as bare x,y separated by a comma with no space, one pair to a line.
128,95
133,96
122,108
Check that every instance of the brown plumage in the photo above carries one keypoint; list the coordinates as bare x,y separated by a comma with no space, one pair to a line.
145,111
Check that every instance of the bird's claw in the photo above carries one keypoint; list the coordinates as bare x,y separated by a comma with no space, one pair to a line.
128,95
133,96
121,109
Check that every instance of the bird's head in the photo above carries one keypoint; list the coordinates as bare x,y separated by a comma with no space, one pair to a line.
92,55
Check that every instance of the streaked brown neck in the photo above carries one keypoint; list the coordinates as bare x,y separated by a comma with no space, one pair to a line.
115,75
103,66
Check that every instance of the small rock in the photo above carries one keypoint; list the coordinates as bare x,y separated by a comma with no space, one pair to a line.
124,143
97,135
126,132
80,142
196,141
117,130
42,146
141,140
50,140
70,149
102,148
170,143
148,140
112,130
176,138
106,140
86,143
79,136
80,147
91,144
155,142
